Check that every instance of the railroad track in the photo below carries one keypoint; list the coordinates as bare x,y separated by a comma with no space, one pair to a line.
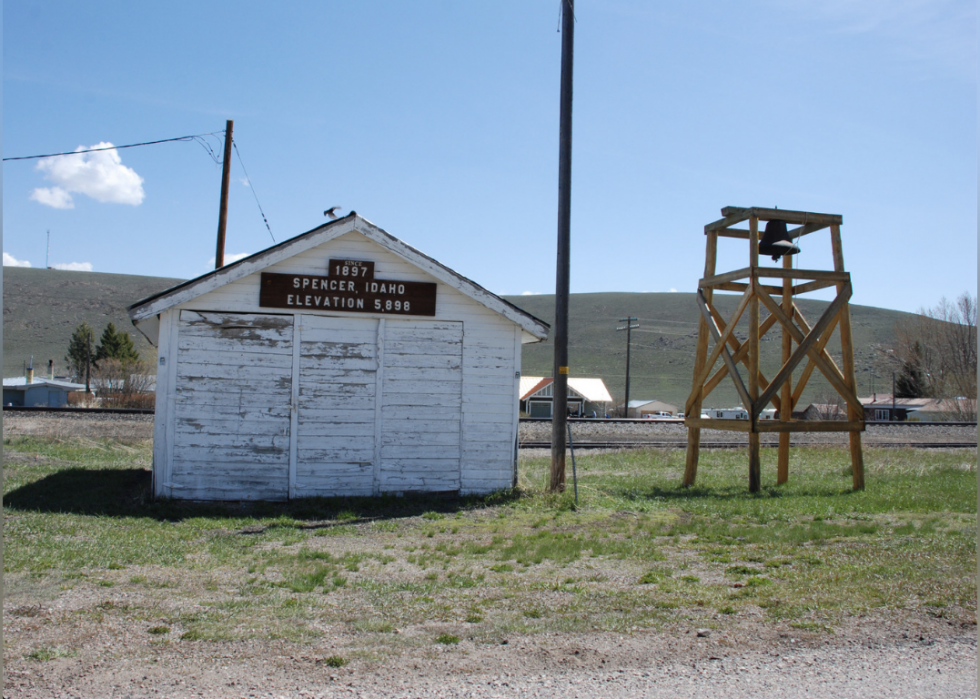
742,445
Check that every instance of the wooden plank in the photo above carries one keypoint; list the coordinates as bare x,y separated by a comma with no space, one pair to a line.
820,347
809,426
766,214
755,477
713,281
856,412
812,286
791,273
734,216
196,369
823,361
725,355
163,432
727,425
786,396
315,375
720,345
805,345
260,348
415,386
692,454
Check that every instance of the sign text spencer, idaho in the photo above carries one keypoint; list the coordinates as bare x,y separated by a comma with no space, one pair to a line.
350,287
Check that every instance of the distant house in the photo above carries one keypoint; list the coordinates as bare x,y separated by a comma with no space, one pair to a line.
881,406
642,408
585,396
50,393
945,409
738,413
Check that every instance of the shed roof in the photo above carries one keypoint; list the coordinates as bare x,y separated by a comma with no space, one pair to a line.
20,383
149,308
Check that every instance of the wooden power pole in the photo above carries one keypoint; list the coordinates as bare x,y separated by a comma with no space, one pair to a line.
219,256
628,328
559,412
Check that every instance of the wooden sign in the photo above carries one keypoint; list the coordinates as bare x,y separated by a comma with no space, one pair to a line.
351,287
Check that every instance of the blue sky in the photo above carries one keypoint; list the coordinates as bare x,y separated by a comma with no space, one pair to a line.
438,121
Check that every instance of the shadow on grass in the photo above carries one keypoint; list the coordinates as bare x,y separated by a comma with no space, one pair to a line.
127,493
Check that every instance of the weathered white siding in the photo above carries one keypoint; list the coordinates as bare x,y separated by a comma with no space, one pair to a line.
320,403
232,406
420,412
337,405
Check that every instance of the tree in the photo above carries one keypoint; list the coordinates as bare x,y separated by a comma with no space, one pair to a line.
124,384
936,350
115,345
910,380
78,349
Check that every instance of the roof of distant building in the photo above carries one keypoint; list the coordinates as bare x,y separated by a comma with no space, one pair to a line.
593,390
20,382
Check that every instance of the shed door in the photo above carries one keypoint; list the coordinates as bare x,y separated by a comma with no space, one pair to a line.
232,406
421,406
338,366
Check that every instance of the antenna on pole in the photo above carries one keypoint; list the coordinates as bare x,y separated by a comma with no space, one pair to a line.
47,253
628,328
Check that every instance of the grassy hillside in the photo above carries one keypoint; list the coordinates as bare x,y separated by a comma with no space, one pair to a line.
662,355
42,307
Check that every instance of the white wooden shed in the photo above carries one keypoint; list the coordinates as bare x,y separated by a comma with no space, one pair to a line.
340,362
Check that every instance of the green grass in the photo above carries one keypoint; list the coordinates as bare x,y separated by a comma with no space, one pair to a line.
639,551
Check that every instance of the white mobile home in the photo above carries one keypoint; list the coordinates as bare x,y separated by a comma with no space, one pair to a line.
340,362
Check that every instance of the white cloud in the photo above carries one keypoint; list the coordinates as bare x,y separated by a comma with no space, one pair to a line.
229,258
673,290
529,293
55,197
99,175
74,266
244,181
11,261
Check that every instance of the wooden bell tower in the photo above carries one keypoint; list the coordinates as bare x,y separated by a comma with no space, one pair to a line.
774,288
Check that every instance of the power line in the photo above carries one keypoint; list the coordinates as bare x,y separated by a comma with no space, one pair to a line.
249,180
197,137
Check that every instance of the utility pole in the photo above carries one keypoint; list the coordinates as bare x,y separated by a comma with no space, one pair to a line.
47,253
628,328
219,256
559,412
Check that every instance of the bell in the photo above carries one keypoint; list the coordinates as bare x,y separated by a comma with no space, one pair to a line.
776,241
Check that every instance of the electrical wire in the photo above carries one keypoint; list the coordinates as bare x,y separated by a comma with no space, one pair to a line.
197,137
249,180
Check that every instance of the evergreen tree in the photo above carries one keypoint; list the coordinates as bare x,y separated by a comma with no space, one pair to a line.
910,381
78,347
115,345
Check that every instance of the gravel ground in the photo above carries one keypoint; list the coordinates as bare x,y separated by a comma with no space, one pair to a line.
871,658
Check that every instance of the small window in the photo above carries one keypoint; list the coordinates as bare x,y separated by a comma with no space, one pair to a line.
882,414
719,414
